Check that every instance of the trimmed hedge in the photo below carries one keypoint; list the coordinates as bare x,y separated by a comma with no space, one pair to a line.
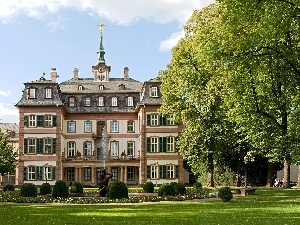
225,194
60,190
9,187
28,190
166,190
76,188
117,190
148,187
45,189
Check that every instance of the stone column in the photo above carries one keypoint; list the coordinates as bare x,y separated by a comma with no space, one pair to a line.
125,175
93,176
122,174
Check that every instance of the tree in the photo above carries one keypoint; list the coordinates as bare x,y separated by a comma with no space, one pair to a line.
8,157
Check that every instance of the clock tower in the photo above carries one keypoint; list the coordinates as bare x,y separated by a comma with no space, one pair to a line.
101,70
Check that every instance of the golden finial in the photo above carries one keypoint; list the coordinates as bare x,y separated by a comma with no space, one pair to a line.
101,25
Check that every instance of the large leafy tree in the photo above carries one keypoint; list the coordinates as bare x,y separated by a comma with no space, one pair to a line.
8,157
260,39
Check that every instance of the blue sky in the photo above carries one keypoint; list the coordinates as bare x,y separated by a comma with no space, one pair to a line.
37,35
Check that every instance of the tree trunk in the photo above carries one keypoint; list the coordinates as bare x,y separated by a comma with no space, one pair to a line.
210,170
286,174
238,175
270,174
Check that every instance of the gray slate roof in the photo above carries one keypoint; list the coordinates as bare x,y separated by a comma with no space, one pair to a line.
4,127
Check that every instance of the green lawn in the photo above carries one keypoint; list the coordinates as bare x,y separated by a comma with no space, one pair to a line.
275,206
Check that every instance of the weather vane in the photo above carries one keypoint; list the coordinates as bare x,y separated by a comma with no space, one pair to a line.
101,25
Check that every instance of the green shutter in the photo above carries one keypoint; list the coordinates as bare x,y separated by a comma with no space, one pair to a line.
53,145
162,171
148,172
148,119
148,144
39,173
39,145
25,121
162,120
40,120
177,171
162,144
53,174
176,139
25,173
54,120
25,148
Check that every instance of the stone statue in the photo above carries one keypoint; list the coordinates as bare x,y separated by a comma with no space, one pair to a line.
103,183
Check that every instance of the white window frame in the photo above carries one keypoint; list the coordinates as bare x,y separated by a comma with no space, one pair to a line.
48,121
47,173
71,126
87,126
130,101
48,92
170,171
47,145
31,146
31,92
88,101
154,144
153,91
130,148
71,101
170,144
87,148
154,119
114,126
114,101
130,126
71,146
170,122
154,171
114,148
31,174
100,101
32,121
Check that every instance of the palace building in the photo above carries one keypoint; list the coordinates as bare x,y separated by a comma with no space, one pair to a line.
72,130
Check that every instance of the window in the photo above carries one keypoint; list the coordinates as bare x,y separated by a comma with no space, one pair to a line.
71,173
48,121
32,120
88,126
170,122
171,171
114,148
71,127
153,91
170,144
130,148
31,146
101,87
101,101
114,127
154,172
31,172
114,101
88,101
48,92
114,172
154,120
31,92
154,144
71,101
47,145
87,148
80,87
47,173
87,173
71,149
130,173
130,126
129,101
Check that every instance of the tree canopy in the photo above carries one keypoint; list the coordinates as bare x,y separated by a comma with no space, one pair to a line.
8,157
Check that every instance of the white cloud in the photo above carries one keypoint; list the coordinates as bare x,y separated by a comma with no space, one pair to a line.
4,93
8,113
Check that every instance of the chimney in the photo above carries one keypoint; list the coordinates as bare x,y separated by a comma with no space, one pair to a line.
75,74
53,75
126,76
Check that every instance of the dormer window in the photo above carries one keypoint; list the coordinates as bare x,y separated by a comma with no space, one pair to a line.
121,87
114,101
101,101
153,91
130,101
80,87
101,87
72,101
48,92
31,92
88,101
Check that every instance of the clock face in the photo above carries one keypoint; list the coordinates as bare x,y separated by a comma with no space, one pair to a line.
101,69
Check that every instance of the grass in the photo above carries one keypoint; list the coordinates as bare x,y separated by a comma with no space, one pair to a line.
267,206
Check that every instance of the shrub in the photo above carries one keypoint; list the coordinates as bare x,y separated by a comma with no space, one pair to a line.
76,188
60,190
148,187
117,190
197,186
180,189
9,187
28,190
166,189
45,189
225,194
